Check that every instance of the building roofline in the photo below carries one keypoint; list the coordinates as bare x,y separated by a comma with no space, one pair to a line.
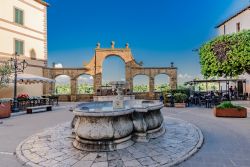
42,2
233,16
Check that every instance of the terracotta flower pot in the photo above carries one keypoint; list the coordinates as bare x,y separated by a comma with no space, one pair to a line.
180,105
5,110
230,112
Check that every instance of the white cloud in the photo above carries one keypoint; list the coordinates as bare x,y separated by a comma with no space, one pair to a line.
187,77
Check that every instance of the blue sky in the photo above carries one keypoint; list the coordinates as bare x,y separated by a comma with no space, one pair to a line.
158,31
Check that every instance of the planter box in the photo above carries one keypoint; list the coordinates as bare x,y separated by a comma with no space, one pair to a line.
231,112
180,105
5,110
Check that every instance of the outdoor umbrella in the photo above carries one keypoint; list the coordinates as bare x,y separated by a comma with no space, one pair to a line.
24,78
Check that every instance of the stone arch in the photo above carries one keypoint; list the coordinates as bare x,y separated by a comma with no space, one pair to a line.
62,85
114,71
141,83
161,82
94,68
85,84
96,63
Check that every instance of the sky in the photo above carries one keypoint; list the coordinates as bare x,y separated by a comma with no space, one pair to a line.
159,31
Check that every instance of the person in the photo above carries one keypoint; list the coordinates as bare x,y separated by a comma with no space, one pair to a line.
231,91
161,98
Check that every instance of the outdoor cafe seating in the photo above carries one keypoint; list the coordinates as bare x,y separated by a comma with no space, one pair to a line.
34,101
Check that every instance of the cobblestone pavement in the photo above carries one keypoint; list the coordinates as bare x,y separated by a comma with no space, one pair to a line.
226,140
53,147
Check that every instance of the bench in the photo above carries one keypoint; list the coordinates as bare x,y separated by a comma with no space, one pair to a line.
30,109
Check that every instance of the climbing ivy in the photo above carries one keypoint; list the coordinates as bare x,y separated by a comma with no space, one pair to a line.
226,56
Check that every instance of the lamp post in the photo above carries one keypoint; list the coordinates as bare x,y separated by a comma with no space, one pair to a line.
16,67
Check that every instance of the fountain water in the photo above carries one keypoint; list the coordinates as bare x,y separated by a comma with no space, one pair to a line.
117,124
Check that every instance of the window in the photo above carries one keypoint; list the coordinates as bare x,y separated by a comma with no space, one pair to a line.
19,47
18,16
33,54
238,27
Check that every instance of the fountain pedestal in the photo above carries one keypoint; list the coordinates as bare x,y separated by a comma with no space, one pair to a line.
118,101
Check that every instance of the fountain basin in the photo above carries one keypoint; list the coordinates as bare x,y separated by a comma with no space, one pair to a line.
100,127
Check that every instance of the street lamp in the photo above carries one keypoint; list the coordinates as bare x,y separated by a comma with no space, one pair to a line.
16,67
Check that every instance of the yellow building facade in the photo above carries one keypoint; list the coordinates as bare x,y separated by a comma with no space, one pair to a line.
23,30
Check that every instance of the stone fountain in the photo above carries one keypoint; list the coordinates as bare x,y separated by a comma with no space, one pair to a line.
117,124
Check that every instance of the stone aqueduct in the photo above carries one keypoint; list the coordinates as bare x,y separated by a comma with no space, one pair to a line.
94,68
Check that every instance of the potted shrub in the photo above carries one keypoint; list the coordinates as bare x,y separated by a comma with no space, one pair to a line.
5,108
227,109
180,100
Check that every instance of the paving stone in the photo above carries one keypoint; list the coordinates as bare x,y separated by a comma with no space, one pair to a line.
101,157
53,147
147,161
132,163
100,164
116,163
162,159
90,157
83,164
113,155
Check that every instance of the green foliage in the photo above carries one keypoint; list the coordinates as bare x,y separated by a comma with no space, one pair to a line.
62,89
85,89
140,88
5,71
228,104
226,56
162,88
182,91
180,97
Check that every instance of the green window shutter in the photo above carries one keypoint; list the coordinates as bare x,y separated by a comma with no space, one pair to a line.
18,16
16,47
21,17
19,47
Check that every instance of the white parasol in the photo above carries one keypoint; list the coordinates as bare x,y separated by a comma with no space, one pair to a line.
32,79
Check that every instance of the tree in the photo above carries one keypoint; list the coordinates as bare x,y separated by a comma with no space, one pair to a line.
226,56
5,71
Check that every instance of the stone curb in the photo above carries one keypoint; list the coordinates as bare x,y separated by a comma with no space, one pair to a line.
19,155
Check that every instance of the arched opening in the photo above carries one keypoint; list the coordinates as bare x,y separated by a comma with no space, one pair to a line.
62,85
85,84
141,83
33,54
161,83
113,69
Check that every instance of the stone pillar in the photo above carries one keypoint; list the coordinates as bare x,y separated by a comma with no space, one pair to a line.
52,88
129,78
48,87
97,82
151,87
173,83
73,84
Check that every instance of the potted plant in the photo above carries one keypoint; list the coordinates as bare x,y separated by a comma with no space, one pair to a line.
5,108
180,100
227,109
23,97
